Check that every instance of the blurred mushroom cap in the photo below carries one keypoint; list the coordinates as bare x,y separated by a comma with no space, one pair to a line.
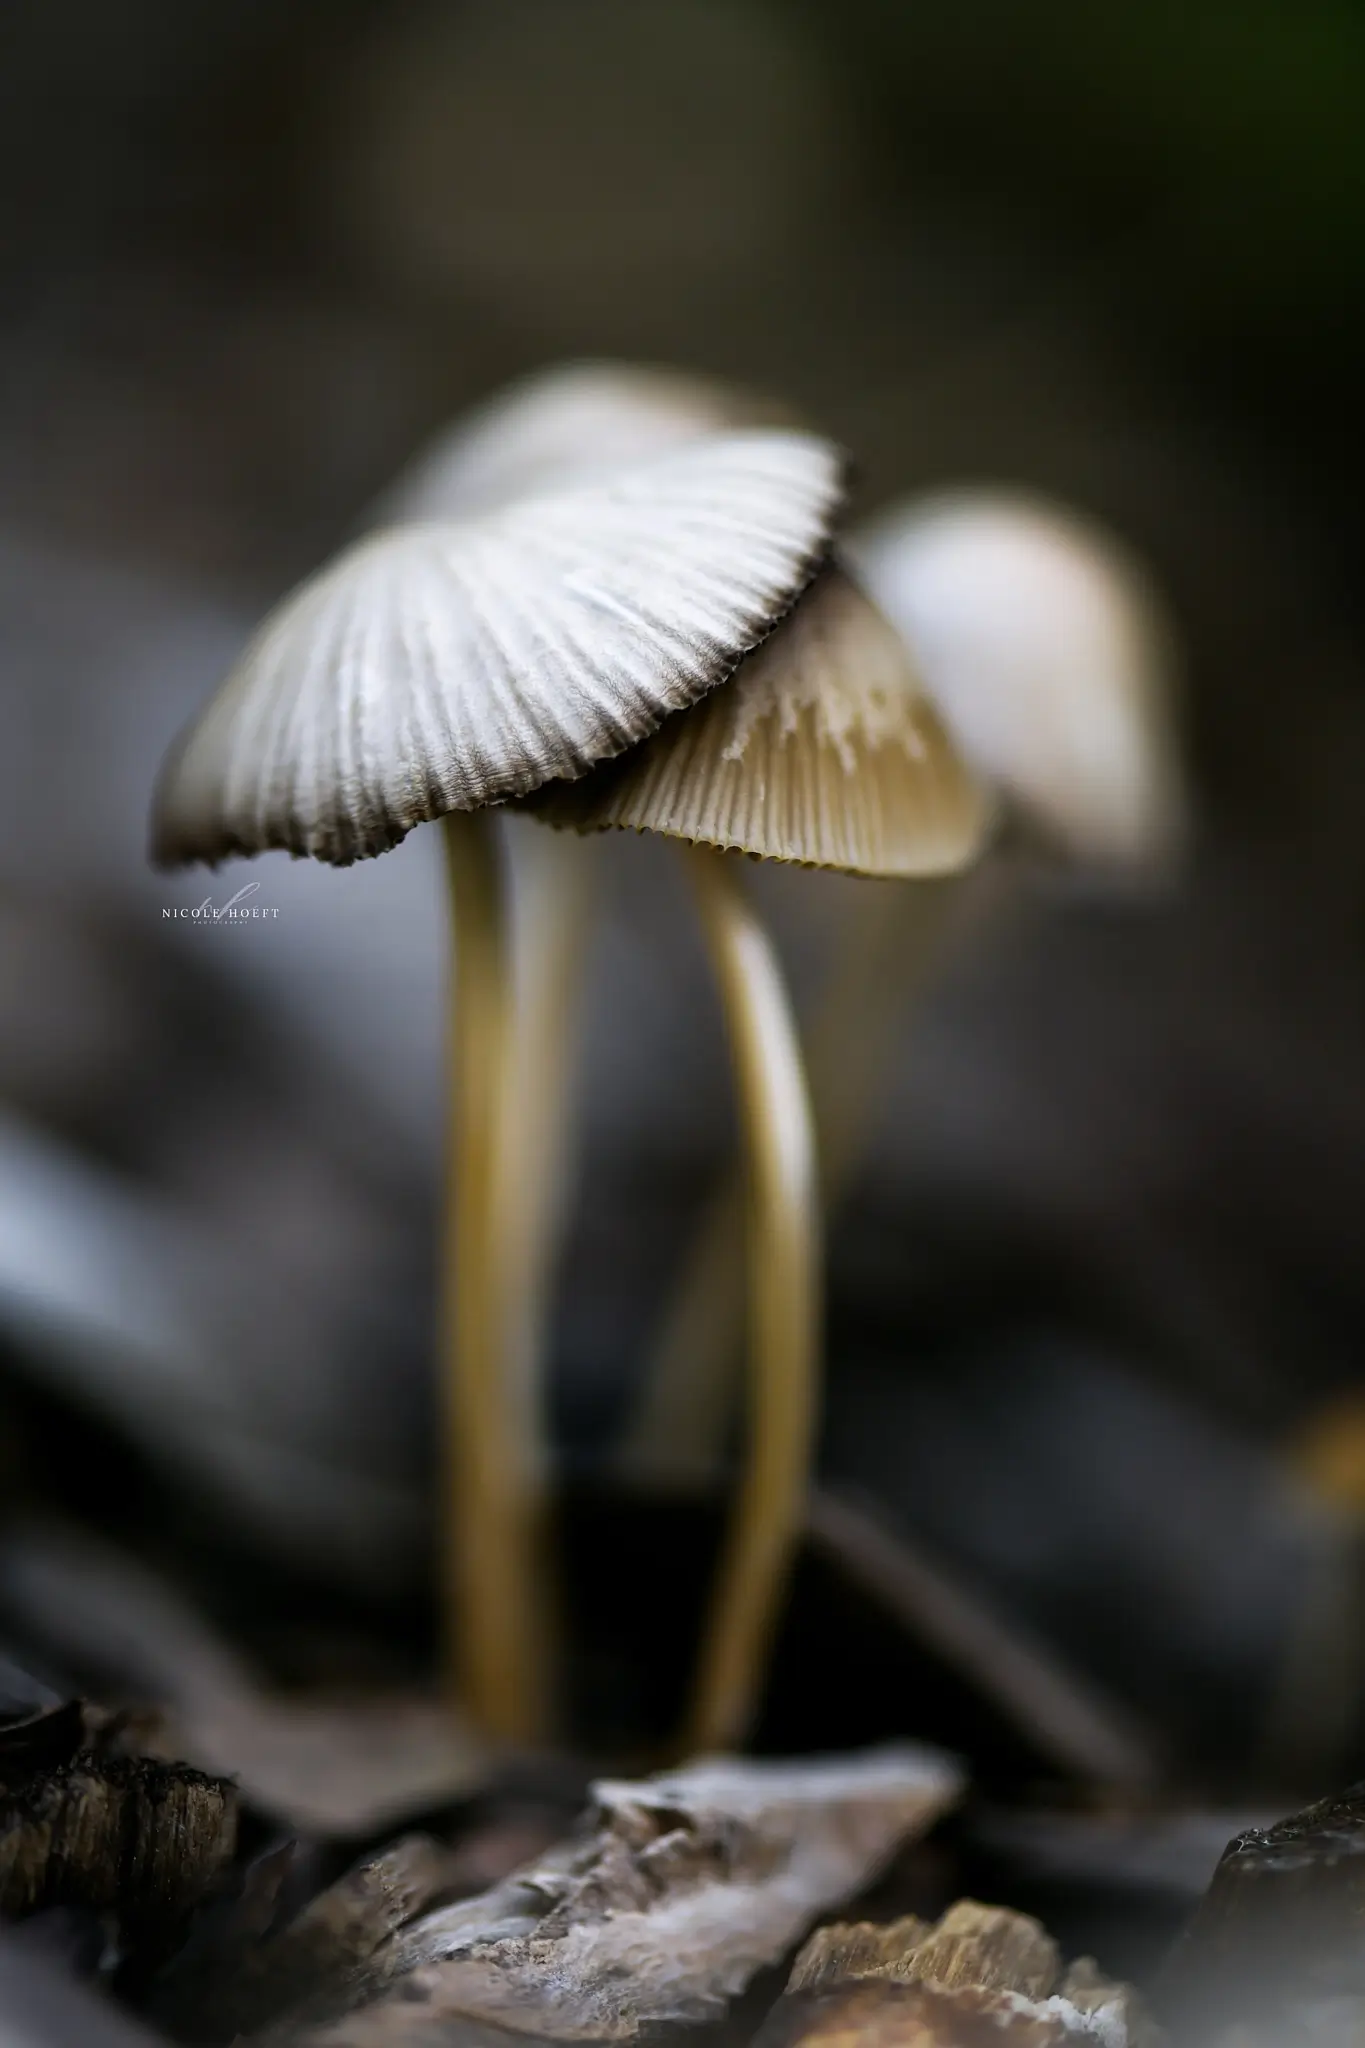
564,426
823,749
441,668
1050,657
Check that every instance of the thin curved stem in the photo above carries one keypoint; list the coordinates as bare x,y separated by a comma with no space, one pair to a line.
682,1417
492,1506
784,1306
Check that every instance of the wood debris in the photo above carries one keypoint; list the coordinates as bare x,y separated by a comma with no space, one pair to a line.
130,1836
971,1944
675,1893
1273,1954
979,1976
251,1969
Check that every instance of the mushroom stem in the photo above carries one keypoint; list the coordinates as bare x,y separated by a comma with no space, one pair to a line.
677,1433
784,1305
492,1506
554,888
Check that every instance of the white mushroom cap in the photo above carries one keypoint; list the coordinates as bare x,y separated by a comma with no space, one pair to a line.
441,668
823,749
564,426
1050,657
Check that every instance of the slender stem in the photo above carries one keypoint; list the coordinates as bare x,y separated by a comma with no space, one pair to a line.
554,887
553,877
677,1433
492,1508
784,1306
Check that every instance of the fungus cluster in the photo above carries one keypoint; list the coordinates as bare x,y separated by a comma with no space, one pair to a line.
609,601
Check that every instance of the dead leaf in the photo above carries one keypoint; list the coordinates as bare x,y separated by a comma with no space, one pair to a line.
676,1892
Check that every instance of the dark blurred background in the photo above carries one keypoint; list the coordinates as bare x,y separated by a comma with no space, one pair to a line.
1102,1271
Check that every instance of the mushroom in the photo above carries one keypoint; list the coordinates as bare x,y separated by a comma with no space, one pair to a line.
565,425
1049,656
570,424
822,751
434,671
1048,652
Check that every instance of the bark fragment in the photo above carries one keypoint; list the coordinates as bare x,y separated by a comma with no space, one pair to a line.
130,1836
981,1977
1273,1953
675,1893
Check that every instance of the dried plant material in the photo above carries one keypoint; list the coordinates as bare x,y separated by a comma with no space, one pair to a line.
983,1945
1048,652
440,668
980,1975
1272,1955
856,1949
566,425
124,1835
515,1831
247,1906
878,2014
823,749
344,1767
251,1974
971,1944
678,1891
1097,1997
1058,1712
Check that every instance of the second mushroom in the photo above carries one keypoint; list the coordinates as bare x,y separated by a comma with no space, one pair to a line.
822,751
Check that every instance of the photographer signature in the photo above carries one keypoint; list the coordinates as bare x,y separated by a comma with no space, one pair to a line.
237,910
